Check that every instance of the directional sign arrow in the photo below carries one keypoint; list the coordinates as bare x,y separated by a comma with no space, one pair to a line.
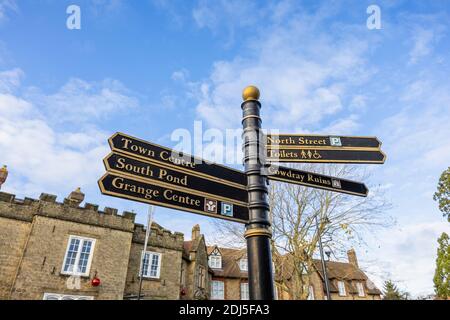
173,178
148,151
149,192
325,156
315,180
286,141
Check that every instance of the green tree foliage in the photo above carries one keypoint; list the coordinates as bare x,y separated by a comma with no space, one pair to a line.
442,194
442,274
391,292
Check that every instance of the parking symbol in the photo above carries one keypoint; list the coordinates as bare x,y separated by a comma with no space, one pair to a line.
336,183
335,142
227,209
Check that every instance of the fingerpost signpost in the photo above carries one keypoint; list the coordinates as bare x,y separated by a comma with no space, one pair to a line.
146,172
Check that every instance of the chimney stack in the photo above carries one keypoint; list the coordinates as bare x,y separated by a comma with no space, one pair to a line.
351,254
76,196
195,232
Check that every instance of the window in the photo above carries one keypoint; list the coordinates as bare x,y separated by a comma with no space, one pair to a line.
215,260
243,264
56,296
311,293
341,287
244,291
360,288
151,266
201,277
217,290
78,256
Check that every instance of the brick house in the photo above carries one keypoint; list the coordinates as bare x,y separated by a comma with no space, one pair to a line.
229,273
347,281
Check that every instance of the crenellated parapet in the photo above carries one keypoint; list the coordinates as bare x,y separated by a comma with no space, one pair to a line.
70,210
159,237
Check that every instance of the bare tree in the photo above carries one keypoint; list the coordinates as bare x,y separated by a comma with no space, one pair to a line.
343,219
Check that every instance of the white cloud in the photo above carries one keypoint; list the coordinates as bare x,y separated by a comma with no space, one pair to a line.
226,14
10,80
43,157
303,73
406,254
343,126
423,42
7,6
81,101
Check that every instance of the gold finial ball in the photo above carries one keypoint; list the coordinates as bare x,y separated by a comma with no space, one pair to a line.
250,93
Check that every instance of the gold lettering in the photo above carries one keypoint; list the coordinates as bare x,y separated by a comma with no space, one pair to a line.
164,175
180,161
311,142
169,195
146,192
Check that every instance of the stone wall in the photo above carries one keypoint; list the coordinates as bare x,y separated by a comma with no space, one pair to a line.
170,245
34,235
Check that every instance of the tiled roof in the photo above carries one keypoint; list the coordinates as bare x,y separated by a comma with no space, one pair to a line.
347,272
230,263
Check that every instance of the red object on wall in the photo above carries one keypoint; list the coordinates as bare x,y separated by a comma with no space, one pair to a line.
95,282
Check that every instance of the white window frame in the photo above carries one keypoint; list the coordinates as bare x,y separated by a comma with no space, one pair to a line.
341,288
59,296
361,291
77,257
311,293
150,259
245,293
243,264
215,296
215,260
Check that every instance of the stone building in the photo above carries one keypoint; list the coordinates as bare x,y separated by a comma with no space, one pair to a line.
195,273
162,264
53,250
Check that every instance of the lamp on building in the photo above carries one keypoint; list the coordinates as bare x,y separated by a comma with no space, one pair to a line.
3,175
95,282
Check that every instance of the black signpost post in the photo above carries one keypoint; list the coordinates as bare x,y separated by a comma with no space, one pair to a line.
257,234
142,171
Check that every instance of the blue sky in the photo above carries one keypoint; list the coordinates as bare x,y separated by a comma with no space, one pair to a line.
147,68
